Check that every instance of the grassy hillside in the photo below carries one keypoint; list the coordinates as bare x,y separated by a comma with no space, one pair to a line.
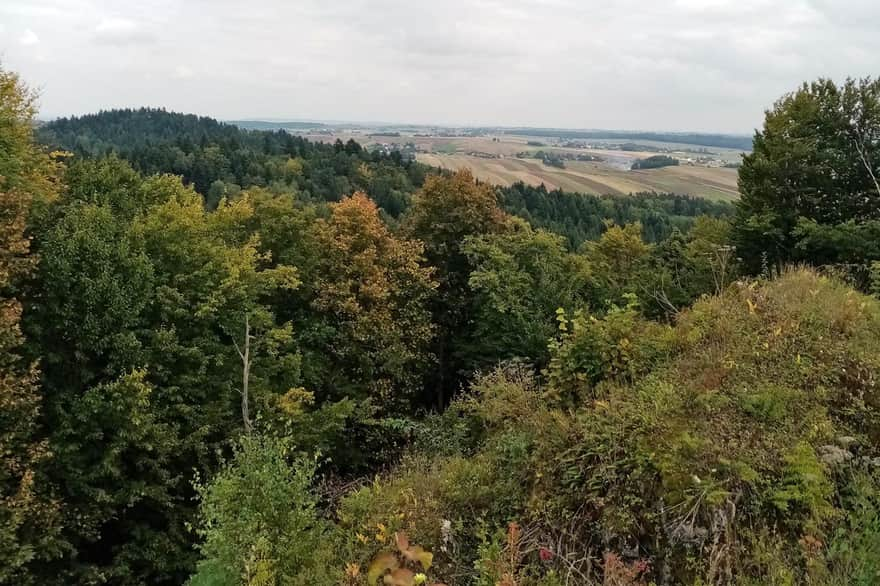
738,446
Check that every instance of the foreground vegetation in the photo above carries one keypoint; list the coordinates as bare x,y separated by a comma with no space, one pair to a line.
235,357
737,446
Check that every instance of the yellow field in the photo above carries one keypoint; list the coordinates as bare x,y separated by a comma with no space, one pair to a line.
596,178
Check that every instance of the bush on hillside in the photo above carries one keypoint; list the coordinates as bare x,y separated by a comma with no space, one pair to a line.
745,455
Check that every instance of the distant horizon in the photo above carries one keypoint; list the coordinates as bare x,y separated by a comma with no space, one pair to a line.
368,123
711,66
374,123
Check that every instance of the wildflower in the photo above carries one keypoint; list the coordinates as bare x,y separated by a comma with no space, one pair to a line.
420,579
545,554
445,533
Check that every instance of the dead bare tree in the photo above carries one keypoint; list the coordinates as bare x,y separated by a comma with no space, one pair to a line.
721,262
863,154
861,134
245,356
722,552
662,298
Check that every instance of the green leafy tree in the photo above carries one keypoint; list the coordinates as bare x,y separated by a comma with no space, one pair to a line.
713,255
617,260
520,279
443,214
96,282
668,282
112,455
109,182
138,277
213,283
817,158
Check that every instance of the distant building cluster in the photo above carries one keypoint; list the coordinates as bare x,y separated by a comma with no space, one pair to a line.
406,150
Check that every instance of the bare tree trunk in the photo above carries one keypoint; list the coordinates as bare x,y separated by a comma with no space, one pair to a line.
861,150
720,262
245,356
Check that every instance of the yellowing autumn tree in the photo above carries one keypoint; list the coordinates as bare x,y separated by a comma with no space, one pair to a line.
446,211
373,292
27,515
444,214
617,261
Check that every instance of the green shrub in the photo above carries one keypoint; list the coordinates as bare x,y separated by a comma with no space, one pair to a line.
853,554
620,346
260,523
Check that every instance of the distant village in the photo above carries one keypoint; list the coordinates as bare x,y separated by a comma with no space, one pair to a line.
406,150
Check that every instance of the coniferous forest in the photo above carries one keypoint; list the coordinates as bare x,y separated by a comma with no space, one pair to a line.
236,356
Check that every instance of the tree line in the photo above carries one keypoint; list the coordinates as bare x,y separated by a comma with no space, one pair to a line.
655,162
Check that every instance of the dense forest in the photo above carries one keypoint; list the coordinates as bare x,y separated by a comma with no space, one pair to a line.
233,357
581,217
220,159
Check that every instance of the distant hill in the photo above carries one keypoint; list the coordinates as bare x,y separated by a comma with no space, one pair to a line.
128,129
263,125
219,159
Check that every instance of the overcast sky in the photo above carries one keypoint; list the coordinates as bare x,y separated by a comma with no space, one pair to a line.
707,65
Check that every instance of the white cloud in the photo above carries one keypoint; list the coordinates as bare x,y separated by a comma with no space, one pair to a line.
182,72
29,38
121,31
685,64
115,25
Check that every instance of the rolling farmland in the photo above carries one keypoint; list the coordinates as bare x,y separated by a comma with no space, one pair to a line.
495,160
592,177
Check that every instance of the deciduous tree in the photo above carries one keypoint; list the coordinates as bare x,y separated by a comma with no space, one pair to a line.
372,293
443,214
816,158
520,279
29,518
